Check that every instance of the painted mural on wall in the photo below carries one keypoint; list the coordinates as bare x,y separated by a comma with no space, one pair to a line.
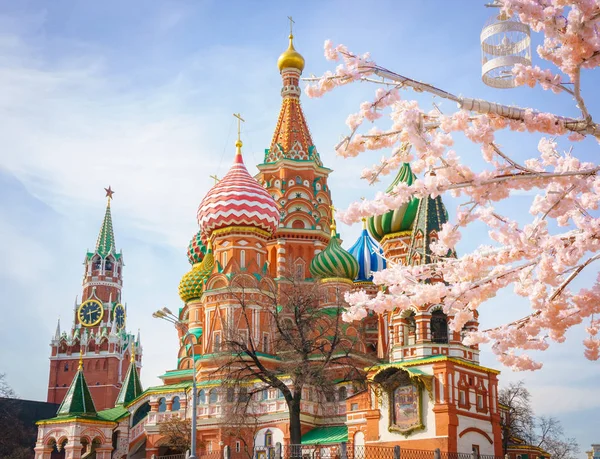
405,407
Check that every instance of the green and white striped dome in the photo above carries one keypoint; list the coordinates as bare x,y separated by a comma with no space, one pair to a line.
334,261
400,219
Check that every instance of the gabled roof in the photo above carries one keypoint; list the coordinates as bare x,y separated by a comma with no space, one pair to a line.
78,400
132,387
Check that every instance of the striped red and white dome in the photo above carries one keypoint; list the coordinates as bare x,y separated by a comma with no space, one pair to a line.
237,200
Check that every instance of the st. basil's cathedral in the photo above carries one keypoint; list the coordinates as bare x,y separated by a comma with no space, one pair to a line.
426,389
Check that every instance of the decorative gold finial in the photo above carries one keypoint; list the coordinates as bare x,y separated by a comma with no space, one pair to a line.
364,220
214,177
239,144
80,360
333,226
291,58
132,352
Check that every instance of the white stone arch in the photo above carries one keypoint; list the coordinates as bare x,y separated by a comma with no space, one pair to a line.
358,442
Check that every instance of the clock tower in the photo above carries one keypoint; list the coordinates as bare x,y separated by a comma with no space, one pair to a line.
98,334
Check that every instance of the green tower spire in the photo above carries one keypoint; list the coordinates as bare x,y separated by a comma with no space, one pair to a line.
78,400
132,387
106,238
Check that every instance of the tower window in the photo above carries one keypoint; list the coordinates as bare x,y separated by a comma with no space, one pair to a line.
217,342
176,404
66,366
342,393
212,396
439,327
224,258
242,258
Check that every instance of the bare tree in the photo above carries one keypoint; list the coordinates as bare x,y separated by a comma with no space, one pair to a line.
241,415
519,421
545,432
176,433
307,335
15,435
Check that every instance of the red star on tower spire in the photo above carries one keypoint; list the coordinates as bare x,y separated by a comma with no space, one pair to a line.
109,192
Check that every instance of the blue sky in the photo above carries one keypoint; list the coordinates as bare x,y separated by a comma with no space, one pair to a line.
139,95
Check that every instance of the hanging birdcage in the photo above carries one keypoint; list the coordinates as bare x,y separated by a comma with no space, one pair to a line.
505,41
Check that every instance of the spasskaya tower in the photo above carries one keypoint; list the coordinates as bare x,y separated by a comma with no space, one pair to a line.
98,333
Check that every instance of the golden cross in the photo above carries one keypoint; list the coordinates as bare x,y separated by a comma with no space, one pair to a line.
214,177
292,22
240,119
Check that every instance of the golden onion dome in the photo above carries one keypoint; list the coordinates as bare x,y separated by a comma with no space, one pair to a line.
290,58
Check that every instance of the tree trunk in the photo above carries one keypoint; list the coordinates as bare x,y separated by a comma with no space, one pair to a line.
295,427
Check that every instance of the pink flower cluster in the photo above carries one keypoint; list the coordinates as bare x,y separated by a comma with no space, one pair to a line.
540,258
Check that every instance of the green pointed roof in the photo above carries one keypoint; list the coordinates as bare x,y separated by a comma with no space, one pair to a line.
106,238
431,216
78,400
132,387
400,219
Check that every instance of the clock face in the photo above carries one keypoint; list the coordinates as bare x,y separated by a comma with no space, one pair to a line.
119,316
90,313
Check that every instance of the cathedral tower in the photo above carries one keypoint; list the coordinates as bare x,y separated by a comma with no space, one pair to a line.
98,334
293,174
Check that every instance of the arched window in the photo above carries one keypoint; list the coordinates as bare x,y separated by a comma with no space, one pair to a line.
176,404
230,394
342,393
202,397
268,438
243,394
96,263
410,329
439,327
67,366
108,264
140,413
162,405
212,396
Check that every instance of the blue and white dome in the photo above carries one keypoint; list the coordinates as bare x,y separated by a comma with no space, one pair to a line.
369,255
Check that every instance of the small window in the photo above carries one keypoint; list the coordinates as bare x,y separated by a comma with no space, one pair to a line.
230,394
266,343
66,366
217,342
354,407
162,405
342,393
242,258
224,258
462,398
238,446
265,394
212,396
479,402
258,260
202,396
176,406
243,394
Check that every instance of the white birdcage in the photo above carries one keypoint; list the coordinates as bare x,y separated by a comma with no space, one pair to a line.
505,41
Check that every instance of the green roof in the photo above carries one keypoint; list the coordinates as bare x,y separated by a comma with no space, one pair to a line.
106,238
113,414
78,400
132,387
325,435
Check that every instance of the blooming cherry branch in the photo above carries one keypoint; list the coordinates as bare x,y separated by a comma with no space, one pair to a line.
539,259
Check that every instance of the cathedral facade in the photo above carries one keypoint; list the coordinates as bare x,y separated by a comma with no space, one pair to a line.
425,390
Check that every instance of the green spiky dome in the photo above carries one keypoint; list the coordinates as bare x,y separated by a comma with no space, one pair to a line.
400,219
192,282
334,262
196,249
